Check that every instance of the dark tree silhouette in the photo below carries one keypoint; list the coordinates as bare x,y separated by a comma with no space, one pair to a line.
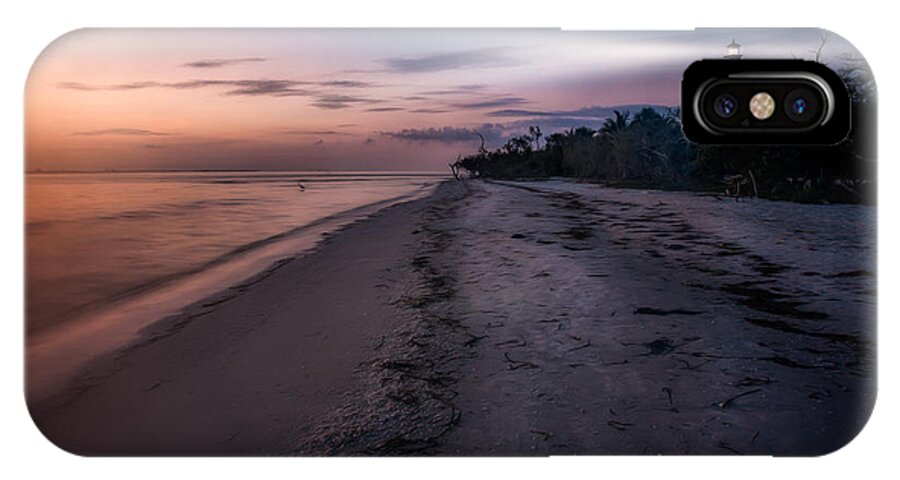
649,150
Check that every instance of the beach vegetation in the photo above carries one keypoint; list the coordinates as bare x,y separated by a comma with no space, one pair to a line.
648,149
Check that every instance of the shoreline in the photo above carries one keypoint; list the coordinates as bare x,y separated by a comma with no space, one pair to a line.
513,318
119,320
254,368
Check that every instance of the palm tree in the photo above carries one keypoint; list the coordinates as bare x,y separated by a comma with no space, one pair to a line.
615,125
613,130
535,133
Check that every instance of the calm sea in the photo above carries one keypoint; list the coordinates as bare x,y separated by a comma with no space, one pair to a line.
96,238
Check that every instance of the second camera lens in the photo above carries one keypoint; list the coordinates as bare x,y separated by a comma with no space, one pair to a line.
801,106
725,105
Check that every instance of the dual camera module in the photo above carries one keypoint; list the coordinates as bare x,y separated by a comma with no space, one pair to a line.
757,101
800,105
782,103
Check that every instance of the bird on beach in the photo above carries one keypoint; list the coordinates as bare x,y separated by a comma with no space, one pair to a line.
300,184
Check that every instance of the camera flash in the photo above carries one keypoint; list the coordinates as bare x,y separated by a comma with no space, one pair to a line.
762,105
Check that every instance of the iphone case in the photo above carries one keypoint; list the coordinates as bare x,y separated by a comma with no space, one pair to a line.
437,242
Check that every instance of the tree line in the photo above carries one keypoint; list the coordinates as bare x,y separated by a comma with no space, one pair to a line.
649,150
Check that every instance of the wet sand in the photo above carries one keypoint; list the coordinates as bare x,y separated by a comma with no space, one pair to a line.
249,370
495,318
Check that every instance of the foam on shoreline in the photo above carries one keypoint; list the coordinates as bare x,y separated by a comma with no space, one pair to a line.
54,356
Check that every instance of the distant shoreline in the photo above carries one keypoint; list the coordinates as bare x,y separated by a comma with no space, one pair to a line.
424,173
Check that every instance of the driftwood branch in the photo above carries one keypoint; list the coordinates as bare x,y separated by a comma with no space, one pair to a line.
817,53
753,182
455,166
481,148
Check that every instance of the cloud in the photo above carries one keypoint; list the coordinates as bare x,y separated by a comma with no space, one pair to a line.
556,120
278,88
344,83
592,112
314,132
334,102
188,84
479,58
446,91
92,88
248,87
502,101
491,132
222,62
122,131
519,121
429,110
384,109
456,90
511,112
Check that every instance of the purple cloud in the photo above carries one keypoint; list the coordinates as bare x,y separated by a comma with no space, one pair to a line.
491,132
222,62
122,131
479,58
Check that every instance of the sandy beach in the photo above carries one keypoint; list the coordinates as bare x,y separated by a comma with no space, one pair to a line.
505,318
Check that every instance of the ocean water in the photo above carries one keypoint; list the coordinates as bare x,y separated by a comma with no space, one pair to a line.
94,239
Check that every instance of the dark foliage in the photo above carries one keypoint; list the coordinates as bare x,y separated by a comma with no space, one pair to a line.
649,150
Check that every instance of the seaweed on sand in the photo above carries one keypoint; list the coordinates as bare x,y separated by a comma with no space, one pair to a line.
407,404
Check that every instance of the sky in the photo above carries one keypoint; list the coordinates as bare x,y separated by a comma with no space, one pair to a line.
338,100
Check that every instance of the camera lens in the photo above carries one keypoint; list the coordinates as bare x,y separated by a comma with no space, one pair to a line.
725,105
801,106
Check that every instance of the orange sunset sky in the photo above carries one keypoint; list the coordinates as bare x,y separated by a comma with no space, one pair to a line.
346,99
